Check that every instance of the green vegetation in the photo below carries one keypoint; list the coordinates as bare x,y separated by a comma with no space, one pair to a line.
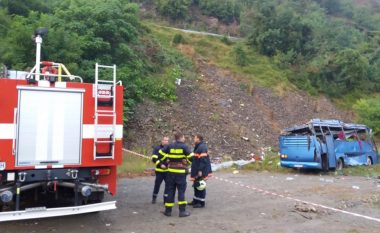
320,46
133,165
226,10
174,9
368,111
84,32
257,68
371,171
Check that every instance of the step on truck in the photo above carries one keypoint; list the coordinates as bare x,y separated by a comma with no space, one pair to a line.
327,144
60,140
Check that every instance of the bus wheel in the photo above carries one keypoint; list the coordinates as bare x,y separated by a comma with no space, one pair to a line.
369,161
339,164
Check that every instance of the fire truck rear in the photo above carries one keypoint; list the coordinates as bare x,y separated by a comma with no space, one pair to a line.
60,140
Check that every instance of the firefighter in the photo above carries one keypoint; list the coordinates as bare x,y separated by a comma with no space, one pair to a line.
178,156
161,168
200,171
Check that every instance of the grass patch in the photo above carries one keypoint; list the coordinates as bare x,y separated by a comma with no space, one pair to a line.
271,163
367,171
133,165
258,68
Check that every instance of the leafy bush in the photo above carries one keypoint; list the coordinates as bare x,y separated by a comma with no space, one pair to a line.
175,9
225,10
368,111
240,55
178,39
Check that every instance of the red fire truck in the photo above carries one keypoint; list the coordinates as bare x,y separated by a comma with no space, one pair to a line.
60,140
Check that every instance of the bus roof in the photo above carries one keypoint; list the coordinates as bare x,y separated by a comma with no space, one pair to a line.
327,123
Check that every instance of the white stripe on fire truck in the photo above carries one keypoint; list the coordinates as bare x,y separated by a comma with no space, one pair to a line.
102,131
7,131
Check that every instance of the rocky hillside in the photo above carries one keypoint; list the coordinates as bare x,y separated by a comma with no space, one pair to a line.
236,122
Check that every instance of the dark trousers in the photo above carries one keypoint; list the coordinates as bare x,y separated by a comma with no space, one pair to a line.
199,196
160,176
176,182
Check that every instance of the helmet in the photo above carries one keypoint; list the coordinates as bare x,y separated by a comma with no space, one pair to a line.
201,185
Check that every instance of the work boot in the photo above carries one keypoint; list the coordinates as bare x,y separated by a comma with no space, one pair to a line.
168,211
183,212
193,202
154,200
198,205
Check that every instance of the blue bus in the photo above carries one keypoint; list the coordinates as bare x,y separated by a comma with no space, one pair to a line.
327,144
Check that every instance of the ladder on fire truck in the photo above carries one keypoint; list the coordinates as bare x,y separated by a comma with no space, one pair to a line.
105,97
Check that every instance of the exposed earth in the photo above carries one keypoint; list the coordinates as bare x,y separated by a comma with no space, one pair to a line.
232,207
236,118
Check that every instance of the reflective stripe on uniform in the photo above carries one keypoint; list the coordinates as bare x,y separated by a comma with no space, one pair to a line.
199,199
162,153
182,202
169,204
176,151
161,170
183,171
157,162
154,156
190,155
170,156
201,155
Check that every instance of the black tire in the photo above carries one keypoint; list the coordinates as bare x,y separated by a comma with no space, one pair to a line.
339,164
369,161
325,163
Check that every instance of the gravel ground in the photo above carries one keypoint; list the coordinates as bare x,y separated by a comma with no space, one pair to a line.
232,207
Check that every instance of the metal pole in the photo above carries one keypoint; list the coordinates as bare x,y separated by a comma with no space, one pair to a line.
38,56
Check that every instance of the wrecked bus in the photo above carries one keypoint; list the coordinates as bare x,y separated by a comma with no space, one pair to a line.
327,144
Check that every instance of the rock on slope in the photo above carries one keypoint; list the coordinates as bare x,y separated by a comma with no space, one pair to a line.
234,121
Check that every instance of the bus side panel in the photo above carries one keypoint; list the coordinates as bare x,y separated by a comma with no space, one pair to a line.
355,153
300,151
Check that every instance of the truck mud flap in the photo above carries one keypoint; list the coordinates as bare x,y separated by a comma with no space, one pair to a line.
42,212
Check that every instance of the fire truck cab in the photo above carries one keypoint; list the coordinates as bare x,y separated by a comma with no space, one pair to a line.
60,140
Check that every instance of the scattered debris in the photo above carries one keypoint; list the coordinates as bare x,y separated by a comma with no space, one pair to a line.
327,180
108,224
245,138
303,207
239,163
235,172
289,178
355,187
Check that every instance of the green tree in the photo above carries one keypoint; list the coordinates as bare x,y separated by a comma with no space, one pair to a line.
225,10
174,9
368,111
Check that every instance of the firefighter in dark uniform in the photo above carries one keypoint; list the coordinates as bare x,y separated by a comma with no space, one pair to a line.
178,157
200,171
161,168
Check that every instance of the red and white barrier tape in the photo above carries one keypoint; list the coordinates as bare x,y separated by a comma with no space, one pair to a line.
265,192
135,153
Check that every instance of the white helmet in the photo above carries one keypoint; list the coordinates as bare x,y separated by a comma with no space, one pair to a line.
202,185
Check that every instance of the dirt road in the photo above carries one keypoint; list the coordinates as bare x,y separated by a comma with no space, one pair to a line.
236,203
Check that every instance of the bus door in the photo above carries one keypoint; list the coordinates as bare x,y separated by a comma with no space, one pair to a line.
330,150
